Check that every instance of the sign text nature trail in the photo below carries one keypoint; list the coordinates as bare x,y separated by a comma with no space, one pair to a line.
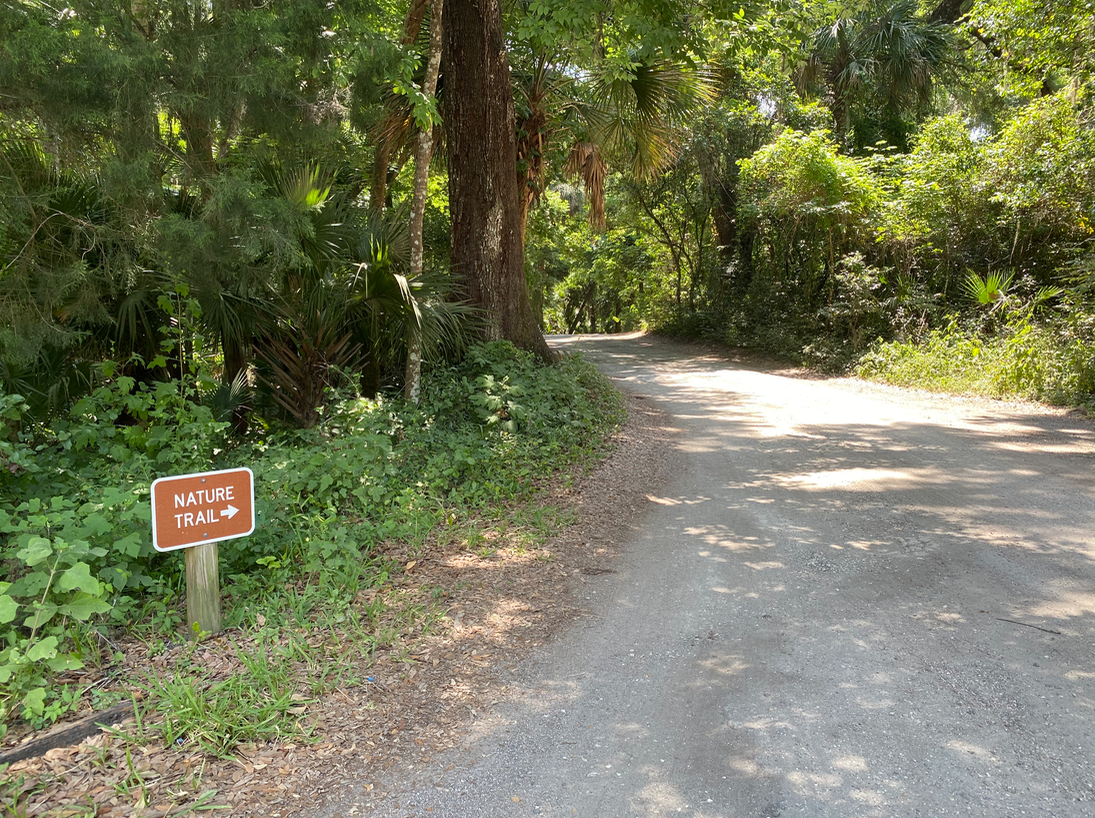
192,509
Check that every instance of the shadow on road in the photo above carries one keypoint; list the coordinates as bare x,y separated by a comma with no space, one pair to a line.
910,587
855,601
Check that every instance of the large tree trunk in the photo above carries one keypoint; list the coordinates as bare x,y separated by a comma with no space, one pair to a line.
483,198
726,228
198,133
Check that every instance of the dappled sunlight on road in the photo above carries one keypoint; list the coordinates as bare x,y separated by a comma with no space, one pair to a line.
851,764
854,602
913,471
1067,603
764,566
723,537
897,524
860,478
965,748
673,501
726,665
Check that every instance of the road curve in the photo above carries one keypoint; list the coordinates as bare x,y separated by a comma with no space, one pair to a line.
852,601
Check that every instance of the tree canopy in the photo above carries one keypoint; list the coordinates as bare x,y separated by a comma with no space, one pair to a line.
230,181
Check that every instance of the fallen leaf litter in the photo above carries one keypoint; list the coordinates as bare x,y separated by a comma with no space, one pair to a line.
417,699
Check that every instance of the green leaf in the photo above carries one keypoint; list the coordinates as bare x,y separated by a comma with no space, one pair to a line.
96,523
79,576
35,701
84,606
66,661
43,649
35,551
8,608
130,545
116,577
45,612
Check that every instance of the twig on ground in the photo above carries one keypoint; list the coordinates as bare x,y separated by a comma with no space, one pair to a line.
1028,625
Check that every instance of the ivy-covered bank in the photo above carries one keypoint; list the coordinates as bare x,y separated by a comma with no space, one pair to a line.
80,570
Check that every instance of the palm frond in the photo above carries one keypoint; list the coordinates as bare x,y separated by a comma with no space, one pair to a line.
536,121
228,400
891,55
445,323
989,290
640,113
384,239
587,161
304,348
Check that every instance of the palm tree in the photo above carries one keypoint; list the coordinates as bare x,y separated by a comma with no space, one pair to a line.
390,311
877,61
396,130
630,120
399,135
347,309
293,236
423,153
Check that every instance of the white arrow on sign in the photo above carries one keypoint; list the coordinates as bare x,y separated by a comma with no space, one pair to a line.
230,512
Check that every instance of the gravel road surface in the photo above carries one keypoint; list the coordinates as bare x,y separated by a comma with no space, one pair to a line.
851,601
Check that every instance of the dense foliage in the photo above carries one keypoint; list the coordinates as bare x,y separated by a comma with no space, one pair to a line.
209,254
75,510
858,169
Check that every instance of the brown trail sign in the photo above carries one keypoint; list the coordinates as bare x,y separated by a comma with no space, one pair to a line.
200,510
193,509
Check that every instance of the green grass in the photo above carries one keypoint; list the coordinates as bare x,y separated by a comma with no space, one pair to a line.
259,703
314,594
1031,363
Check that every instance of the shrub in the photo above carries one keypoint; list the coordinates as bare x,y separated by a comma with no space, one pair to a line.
1052,363
75,513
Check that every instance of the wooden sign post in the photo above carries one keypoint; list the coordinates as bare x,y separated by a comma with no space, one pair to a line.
195,512
203,590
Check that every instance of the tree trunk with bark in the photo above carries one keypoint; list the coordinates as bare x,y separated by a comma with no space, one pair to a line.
423,152
378,191
487,253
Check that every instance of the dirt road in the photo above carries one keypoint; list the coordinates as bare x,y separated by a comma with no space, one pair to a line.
851,601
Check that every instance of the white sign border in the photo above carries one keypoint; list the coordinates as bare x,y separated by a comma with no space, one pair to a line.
152,502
